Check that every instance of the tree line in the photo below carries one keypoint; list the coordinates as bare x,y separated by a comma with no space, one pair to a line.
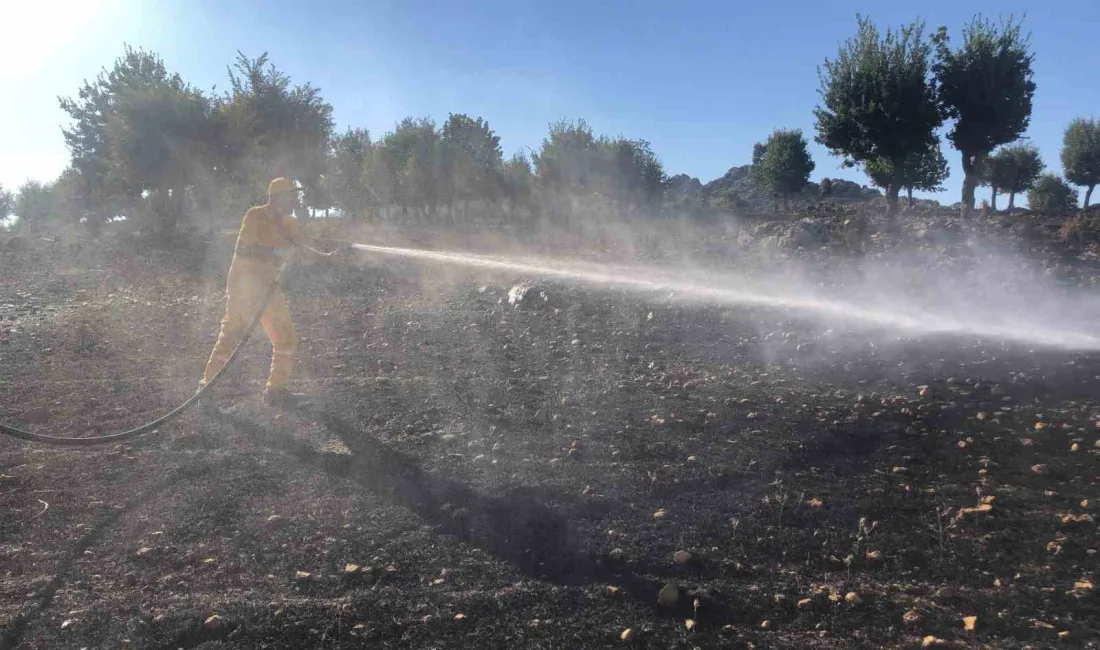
146,145
885,95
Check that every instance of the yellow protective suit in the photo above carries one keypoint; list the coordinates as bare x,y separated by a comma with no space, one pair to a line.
262,239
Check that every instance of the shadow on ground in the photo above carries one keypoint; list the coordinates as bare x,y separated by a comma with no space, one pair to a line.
13,634
516,528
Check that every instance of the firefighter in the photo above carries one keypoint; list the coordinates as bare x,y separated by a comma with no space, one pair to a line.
268,233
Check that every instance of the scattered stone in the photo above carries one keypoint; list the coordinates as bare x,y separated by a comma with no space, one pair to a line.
933,642
852,598
1039,469
912,618
681,557
459,617
689,624
627,635
303,576
660,514
668,595
874,556
275,520
616,555
351,569
766,624
213,622
970,623
804,603
981,508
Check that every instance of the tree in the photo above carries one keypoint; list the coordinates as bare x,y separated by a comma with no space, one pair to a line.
266,128
345,180
1050,193
1081,155
878,103
1013,170
518,180
782,165
924,171
472,159
632,173
986,87
6,203
407,165
136,139
34,203
568,160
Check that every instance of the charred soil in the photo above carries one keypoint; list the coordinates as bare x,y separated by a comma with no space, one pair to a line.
473,473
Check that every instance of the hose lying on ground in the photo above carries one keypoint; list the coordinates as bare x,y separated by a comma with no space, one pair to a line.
145,428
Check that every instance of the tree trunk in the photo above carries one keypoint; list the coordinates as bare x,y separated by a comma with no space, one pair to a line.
1088,195
993,199
892,191
1011,201
971,166
786,202
909,196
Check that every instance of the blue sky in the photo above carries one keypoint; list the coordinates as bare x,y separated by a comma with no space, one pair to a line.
702,81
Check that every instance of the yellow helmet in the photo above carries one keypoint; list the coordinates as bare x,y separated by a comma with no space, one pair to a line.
281,186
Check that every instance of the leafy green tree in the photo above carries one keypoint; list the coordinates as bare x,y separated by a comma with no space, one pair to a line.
518,181
574,161
632,173
268,127
924,171
1081,155
569,159
1050,193
380,173
136,138
1012,169
782,165
472,159
408,166
986,87
878,102
6,203
346,179
35,202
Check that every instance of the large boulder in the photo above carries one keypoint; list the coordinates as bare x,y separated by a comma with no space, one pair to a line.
804,233
684,186
527,295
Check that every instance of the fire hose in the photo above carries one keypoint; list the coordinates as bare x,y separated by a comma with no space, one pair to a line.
150,426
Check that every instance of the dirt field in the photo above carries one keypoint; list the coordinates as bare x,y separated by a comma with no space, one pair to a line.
475,475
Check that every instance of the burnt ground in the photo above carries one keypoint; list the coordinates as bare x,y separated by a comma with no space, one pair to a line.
506,477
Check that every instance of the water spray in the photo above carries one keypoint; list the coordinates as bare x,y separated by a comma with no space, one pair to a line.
649,280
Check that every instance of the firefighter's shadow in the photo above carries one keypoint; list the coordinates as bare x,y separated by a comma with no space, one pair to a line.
516,527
